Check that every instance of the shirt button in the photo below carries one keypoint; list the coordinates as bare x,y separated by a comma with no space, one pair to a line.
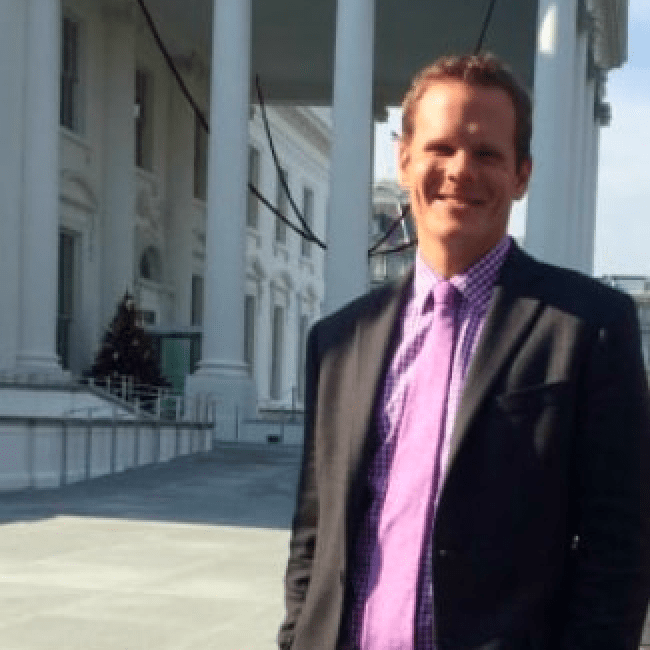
443,552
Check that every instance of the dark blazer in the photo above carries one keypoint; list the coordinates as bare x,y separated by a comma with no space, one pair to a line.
542,529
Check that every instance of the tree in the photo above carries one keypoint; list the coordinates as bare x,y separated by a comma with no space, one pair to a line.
127,350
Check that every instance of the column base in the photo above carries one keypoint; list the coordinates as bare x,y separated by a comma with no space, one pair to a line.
40,368
230,392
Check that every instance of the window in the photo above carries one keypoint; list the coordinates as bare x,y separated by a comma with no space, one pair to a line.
65,302
196,307
253,208
143,120
151,264
308,214
200,160
147,317
277,343
282,204
302,344
70,107
249,332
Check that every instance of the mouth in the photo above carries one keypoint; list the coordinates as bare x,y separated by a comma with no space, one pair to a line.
460,200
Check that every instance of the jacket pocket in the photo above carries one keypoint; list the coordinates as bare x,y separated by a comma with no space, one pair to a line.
533,419
532,398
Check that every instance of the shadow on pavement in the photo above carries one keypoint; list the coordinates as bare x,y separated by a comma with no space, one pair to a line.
234,485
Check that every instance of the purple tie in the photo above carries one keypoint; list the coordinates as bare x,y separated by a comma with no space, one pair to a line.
405,519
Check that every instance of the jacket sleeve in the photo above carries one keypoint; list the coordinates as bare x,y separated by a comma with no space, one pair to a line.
305,521
608,577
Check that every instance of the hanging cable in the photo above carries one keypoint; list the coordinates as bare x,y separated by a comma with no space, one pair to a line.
484,29
172,66
307,233
397,249
404,210
283,180
277,213
204,123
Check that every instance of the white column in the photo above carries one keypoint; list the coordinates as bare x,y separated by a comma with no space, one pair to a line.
223,342
351,162
180,184
40,223
549,201
222,371
586,223
591,178
575,250
118,218
12,41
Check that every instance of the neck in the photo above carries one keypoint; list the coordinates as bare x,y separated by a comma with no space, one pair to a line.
452,258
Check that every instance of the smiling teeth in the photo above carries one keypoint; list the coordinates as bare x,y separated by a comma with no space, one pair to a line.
460,199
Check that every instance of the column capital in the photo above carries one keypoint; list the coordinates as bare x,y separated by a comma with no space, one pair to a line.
610,33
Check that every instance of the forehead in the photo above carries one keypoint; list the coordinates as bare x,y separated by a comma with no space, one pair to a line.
454,105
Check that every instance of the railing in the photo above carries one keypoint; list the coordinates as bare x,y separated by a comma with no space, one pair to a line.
154,401
81,430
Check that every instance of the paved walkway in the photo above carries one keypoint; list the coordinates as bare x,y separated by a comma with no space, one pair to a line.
183,556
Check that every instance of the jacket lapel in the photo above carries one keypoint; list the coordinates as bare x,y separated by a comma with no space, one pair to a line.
510,316
376,337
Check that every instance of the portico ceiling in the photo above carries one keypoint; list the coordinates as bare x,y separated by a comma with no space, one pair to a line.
293,40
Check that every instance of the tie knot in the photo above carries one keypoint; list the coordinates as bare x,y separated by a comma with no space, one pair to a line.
444,293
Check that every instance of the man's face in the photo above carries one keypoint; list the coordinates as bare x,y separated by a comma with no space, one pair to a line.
460,169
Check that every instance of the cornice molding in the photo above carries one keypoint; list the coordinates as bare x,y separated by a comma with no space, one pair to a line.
610,32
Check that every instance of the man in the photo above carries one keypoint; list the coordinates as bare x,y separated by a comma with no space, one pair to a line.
476,437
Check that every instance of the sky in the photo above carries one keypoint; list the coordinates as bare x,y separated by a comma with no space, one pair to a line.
622,244
623,212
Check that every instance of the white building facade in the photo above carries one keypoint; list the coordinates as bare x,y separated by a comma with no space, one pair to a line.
110,201
104,188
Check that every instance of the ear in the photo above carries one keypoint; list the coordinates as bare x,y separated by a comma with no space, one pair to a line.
523,177
403,164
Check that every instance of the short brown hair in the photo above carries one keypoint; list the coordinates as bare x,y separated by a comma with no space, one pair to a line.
480,70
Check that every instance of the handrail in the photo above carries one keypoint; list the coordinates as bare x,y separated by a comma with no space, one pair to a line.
124,400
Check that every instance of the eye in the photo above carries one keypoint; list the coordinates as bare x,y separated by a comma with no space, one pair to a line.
487,154
440,149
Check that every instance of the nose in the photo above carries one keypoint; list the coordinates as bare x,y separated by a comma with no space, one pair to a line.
460,166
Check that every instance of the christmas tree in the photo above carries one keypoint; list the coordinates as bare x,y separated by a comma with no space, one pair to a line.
127,351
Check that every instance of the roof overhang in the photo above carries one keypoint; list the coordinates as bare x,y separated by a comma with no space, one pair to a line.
293,40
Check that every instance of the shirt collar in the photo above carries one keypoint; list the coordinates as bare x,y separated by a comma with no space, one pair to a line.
475,284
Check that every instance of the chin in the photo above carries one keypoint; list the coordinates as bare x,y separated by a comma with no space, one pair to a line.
452,229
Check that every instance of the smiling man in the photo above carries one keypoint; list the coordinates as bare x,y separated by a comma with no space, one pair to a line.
476,437
462,170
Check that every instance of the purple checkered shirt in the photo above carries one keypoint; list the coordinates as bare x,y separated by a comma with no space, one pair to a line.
475,286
